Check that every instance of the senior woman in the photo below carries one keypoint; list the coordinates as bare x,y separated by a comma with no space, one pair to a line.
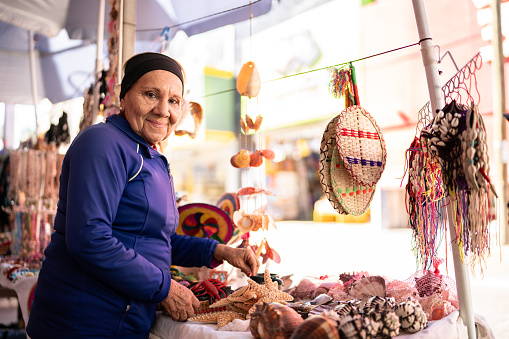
108,263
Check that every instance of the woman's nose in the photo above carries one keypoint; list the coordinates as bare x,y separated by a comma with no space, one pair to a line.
162,108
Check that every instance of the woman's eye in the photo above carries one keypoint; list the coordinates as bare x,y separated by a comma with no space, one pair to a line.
174,101
151,95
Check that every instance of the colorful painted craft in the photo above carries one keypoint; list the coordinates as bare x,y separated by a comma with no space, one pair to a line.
361,145
205,221
229,202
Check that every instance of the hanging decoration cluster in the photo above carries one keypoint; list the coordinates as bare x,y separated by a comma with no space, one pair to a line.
249,212
457,136
449,166
352,150
33,196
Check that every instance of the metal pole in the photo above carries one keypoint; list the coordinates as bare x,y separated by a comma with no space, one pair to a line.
499,123
98,58
33,79
437,102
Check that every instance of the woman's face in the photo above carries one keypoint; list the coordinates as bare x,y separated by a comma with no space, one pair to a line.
152,105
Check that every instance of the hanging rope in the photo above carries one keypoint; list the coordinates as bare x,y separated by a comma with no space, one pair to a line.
320,69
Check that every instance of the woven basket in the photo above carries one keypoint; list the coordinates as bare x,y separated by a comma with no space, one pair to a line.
361,145
353,197
326,147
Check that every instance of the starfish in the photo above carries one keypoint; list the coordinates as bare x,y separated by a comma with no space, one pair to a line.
221,318
243,294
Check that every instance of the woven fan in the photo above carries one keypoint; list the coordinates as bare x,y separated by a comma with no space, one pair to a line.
353,197
326,147
361,145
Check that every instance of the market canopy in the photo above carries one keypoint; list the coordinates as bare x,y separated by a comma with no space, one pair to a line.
67,29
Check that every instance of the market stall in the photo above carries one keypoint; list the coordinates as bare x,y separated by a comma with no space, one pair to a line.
349,183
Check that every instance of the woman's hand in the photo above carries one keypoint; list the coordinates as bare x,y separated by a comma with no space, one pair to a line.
242,258
180,302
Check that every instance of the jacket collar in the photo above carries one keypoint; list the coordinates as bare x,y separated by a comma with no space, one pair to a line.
124,126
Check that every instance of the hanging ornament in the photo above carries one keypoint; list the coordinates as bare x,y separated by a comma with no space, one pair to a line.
248,81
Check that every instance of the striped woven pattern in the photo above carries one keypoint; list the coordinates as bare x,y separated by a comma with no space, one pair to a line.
326,148
354,198
361,145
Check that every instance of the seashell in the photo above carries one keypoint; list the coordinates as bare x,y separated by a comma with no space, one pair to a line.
448,116
440,143
434,140
316,327
274,320
372,285
443,129
249,122
440,114
455,122
269,154
345,309
248,80
372,302
387,320
357,326
258,122
242,159
256,159
435,127
411,316
232,161
244,126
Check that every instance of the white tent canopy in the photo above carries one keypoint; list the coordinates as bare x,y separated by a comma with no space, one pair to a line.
66,31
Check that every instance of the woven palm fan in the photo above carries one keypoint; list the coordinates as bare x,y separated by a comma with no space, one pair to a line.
326,147
354,198
361,145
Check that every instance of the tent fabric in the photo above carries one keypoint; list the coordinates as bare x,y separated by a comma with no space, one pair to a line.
66,32
46,17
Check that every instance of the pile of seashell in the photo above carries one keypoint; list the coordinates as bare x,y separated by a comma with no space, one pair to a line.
375,317
367,314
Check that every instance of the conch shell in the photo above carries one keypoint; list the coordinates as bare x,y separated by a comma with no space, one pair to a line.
316,327
274,320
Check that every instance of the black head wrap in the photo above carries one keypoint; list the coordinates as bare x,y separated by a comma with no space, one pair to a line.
142,63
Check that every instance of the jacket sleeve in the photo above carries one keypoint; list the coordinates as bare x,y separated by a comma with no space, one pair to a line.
192,251
97,177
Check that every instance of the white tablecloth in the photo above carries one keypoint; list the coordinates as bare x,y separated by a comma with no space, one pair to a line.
450,327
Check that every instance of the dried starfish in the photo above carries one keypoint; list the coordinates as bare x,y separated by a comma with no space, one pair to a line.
269,292
221,318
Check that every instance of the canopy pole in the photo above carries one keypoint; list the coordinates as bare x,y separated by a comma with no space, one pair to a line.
437,102
98,58
33,79
128,29
120,28
499,123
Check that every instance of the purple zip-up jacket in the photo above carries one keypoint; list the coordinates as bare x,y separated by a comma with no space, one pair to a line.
108,263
